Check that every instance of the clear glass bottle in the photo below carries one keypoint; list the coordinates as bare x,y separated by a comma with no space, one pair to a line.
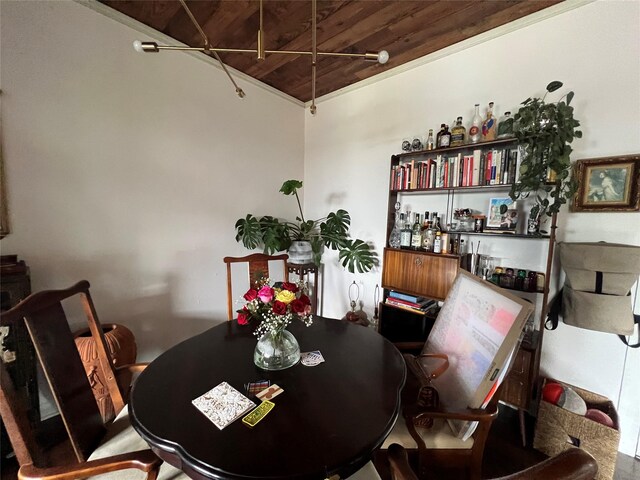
430,234
394,237
416,234
458,133
505,126
475,131
437,243
430,143
405,233
445,138
489,125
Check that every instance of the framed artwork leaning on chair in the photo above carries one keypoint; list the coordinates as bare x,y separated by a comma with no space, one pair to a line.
478,331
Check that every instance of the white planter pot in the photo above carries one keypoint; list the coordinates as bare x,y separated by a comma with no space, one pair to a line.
300,252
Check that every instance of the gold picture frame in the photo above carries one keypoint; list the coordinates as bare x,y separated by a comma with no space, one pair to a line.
608,184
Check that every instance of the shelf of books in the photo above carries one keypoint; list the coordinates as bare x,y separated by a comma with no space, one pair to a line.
491,164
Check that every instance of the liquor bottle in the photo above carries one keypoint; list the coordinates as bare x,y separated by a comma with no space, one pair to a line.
505,126
437,243
458,133
489,125
439,135
445,138
430,235
425,226
405,233
475,131
455,245
444,243
394,237
416,234
430,144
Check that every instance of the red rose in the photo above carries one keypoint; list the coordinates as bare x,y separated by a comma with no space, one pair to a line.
251,294
279,308
297,306
243,319
292,287
305,300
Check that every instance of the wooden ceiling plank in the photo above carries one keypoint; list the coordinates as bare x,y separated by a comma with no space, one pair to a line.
156,14
408,29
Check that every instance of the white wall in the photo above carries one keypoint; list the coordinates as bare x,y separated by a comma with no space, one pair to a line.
130,170
595,51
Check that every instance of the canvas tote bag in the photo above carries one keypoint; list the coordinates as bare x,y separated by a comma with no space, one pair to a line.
597,289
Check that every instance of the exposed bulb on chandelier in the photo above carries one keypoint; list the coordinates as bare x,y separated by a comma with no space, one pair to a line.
383,57
137,46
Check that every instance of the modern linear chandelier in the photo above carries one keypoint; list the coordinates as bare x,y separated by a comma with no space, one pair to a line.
381,57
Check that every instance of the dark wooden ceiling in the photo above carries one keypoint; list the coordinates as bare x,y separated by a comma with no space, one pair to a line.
406,29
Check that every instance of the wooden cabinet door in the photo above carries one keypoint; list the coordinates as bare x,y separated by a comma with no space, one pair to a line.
419,273
517,386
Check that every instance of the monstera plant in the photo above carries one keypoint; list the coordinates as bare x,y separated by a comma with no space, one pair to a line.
276,235
545,132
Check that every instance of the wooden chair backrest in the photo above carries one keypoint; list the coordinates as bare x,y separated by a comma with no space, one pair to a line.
258,268
53,341
13,410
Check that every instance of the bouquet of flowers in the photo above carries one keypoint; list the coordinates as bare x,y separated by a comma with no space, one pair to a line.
275,307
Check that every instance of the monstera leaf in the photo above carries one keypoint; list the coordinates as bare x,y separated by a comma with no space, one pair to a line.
275,235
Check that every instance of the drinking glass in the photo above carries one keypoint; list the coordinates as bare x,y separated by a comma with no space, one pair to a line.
487,265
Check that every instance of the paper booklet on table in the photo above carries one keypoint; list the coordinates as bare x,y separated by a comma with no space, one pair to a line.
478,328
223,404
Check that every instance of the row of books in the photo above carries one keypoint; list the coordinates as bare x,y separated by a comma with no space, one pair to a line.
490,167
410,302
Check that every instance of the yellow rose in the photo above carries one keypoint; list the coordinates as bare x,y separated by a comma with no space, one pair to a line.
286,297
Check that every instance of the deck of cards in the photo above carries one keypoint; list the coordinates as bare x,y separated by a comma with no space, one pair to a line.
311,359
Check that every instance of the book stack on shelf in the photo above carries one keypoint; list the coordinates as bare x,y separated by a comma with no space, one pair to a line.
412,303
491,167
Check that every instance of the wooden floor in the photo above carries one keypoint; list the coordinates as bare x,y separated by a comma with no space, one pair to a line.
504,453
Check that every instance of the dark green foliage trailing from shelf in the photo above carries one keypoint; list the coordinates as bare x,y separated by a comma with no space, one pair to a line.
545,132
332,231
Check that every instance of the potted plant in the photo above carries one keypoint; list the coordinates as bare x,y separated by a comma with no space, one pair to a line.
332,231
545,132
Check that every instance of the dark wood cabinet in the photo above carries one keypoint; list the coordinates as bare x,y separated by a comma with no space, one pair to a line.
15,344
419,273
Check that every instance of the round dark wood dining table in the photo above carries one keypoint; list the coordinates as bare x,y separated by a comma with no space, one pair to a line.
329,419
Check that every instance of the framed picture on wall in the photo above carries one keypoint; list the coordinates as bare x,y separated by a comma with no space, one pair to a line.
608,184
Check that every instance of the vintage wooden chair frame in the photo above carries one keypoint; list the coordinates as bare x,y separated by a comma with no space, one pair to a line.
572,464
49,330
258,268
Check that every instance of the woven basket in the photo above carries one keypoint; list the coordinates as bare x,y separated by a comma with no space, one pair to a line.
558,429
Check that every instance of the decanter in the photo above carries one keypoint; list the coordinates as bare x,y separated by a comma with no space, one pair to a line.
394,237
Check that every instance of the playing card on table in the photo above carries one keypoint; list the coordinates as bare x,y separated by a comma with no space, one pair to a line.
223,404
311,359
269,393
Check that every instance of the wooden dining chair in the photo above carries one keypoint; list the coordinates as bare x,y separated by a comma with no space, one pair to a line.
572,464
437,446
258,264
98,448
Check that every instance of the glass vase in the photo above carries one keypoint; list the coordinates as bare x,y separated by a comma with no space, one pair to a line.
276,351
